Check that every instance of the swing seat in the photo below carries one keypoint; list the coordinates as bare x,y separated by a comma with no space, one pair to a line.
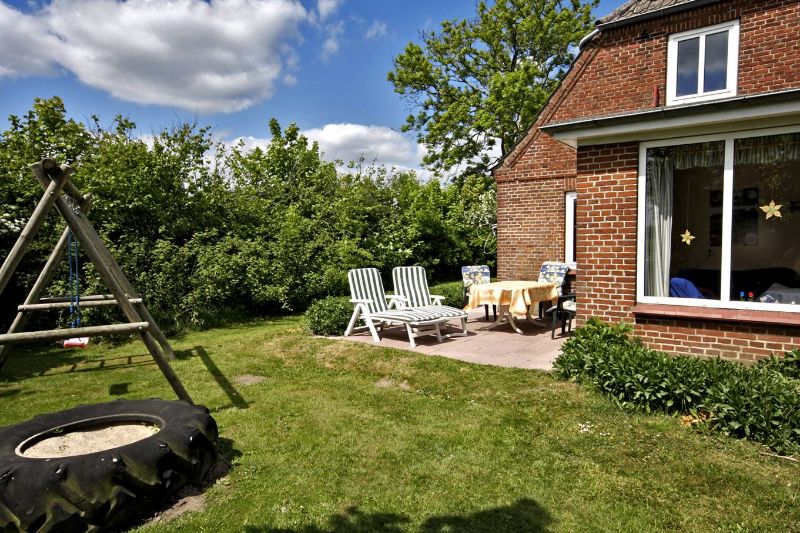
76,342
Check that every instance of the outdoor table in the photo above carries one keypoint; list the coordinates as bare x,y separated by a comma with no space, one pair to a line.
512,298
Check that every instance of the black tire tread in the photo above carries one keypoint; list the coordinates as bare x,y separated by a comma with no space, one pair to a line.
104,490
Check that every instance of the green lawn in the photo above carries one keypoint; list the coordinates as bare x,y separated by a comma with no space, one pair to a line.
352,437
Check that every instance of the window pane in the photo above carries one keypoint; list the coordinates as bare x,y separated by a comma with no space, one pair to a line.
688,59
683,204
716,62
765,252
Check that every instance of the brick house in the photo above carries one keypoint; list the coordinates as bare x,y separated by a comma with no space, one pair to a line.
666,167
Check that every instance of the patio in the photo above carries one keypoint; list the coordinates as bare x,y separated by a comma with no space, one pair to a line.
499,346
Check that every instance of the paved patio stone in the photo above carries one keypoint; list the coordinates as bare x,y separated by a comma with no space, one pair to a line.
500,346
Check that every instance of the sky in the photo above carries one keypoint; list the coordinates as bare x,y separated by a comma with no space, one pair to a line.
229,64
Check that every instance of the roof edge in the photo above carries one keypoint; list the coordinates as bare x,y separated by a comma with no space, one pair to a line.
654,14
662,111
511,155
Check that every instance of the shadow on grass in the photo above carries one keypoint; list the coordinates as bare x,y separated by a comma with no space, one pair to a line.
245,321
523,515
34,363
119,389
9,393
236,399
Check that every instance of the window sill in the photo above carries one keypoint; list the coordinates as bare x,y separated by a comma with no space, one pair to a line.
725,315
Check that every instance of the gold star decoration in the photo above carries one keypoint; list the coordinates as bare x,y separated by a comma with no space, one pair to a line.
687,237
772,210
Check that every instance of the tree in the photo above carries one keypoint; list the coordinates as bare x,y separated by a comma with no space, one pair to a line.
480,83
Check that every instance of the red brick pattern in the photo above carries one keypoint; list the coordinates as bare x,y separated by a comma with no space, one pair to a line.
606,235
530,226
615,73
632,60
710,338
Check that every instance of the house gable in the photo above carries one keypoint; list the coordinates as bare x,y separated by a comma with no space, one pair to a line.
622,70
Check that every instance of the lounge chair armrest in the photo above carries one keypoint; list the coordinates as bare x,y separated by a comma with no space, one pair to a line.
360,301
396,300
437,300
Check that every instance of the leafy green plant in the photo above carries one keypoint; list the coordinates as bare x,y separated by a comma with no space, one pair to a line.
329,316
759,402
453,293
788,365
231,231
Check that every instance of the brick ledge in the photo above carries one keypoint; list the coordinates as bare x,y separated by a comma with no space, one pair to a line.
713,313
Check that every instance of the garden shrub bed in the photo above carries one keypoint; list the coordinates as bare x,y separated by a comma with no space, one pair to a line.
329,316
759,402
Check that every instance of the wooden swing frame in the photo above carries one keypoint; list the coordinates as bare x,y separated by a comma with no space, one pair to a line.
73,207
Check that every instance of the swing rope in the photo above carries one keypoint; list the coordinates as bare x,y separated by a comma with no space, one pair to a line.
74,292
74,282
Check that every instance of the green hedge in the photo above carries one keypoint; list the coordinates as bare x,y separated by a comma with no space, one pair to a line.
452,291
759,402
329,316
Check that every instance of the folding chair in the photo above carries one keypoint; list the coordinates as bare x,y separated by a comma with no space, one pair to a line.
411,289
371,306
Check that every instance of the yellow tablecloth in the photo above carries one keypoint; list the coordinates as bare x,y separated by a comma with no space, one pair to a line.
517,295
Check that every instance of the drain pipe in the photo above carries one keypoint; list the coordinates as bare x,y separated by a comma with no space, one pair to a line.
587,38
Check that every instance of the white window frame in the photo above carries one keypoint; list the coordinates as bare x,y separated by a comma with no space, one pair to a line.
570,200
733,63
727,218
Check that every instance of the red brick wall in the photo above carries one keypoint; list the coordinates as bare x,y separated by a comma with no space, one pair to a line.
530,226
710,338
616,73
632,60
606,235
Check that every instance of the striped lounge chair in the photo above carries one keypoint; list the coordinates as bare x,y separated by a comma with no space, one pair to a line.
369,298
411,289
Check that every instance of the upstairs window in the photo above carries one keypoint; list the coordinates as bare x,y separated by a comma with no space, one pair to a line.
702,64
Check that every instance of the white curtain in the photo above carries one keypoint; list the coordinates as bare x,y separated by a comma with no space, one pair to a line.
768,150
658,248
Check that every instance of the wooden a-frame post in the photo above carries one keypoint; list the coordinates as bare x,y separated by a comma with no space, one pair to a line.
73,207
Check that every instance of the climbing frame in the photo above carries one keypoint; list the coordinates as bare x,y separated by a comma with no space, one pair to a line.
73,207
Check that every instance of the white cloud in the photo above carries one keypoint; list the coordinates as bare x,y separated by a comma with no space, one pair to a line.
205,56
24,47
326,7
331,44
376,30
352,142
250,143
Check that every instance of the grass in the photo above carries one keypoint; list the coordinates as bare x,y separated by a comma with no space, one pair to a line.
351,437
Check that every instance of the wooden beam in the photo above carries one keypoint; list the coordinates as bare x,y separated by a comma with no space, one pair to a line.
107,267
87,298
56,334
44,279
66,305
51,194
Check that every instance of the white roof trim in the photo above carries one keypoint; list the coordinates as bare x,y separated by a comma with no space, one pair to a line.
702,122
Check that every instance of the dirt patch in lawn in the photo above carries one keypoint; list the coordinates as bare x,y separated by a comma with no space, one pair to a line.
387,383
190,499
249,379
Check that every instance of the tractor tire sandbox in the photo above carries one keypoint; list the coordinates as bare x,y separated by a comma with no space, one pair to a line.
50,480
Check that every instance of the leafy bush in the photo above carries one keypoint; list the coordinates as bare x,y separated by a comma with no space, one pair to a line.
453,293
232,230
329,316
757,402
788,365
